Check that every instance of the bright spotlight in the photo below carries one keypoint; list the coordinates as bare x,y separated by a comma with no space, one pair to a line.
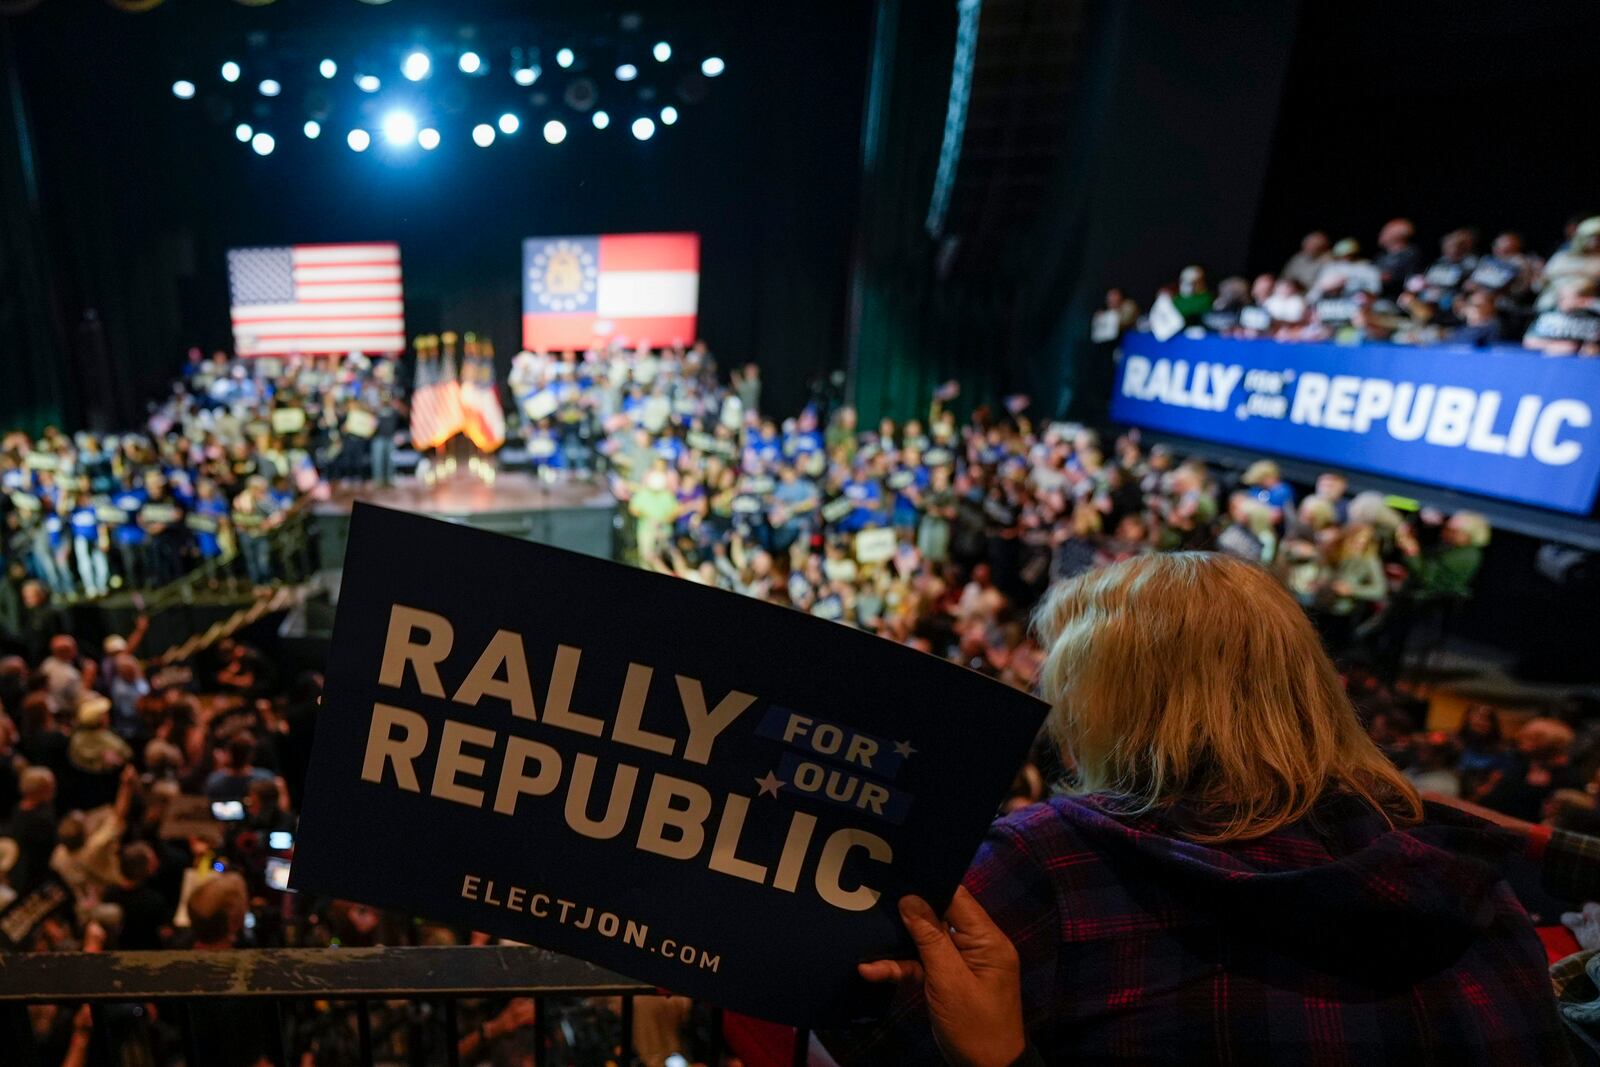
509,123
669,115
243,132
230,71
483,135
313,129
358,140
601,120
662,51
525,76
712,66
627,72
328,68
400,128
183,89
368,83
428,138
555,131
564,58
644,128
263,143
416,65
470,62
269,87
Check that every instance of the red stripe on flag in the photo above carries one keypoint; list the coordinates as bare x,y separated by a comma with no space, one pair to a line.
547,332
650,251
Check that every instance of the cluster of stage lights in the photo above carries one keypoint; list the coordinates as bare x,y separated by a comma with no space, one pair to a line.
400,128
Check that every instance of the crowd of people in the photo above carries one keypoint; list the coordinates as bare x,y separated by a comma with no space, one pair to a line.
158,811
1501,295
219,464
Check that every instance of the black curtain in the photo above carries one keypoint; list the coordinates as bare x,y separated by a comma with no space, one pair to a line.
33,368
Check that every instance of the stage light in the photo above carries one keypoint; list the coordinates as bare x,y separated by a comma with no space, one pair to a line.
644,128
555,131
627,72
509,123
713,66
416,65
662,51
269,87
564,58
183,89
358,140
483,135
368,83
230,71
313,129
525,76
470,62
669,115
428,138
243,132
263,143
328,68
400,128
601,120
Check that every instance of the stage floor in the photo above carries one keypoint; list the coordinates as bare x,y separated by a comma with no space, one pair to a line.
579,516
463,495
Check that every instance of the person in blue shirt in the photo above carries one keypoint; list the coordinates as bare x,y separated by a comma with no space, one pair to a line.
53,561
129,536
862,490
208,516
1266,484
89,546
794,513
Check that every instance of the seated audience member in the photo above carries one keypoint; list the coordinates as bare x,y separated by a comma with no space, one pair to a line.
1446,275
1193,298
1432,766
1540,765
1507,273
1578,263
1304,266
1160,914
1480,321
1400,257
1286,304
1345,273
1571,327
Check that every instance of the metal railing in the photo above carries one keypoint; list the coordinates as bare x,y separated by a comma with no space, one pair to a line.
185,984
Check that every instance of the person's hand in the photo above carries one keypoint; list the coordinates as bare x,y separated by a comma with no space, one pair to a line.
971,977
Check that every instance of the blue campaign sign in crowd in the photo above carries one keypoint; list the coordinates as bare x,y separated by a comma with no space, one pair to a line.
1497,424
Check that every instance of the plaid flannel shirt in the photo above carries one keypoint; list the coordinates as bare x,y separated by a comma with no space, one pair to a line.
1330,943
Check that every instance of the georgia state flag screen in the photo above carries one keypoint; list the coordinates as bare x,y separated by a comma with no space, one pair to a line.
636,288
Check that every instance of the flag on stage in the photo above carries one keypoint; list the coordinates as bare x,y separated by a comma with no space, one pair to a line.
636,288
317,299
483,420
435,394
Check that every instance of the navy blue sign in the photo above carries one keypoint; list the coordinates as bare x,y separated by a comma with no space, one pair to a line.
717,795
1504,423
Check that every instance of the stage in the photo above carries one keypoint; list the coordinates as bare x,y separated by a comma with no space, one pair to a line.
575,515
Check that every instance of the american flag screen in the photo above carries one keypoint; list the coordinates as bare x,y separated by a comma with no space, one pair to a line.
317,299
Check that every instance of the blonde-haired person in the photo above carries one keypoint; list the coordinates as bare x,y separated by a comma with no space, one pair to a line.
1239,875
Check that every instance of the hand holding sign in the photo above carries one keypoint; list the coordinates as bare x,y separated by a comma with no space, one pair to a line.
970,976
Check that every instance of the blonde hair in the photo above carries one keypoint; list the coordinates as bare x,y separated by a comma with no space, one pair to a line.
1194,680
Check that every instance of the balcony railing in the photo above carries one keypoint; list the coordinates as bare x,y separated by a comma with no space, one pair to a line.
185,984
